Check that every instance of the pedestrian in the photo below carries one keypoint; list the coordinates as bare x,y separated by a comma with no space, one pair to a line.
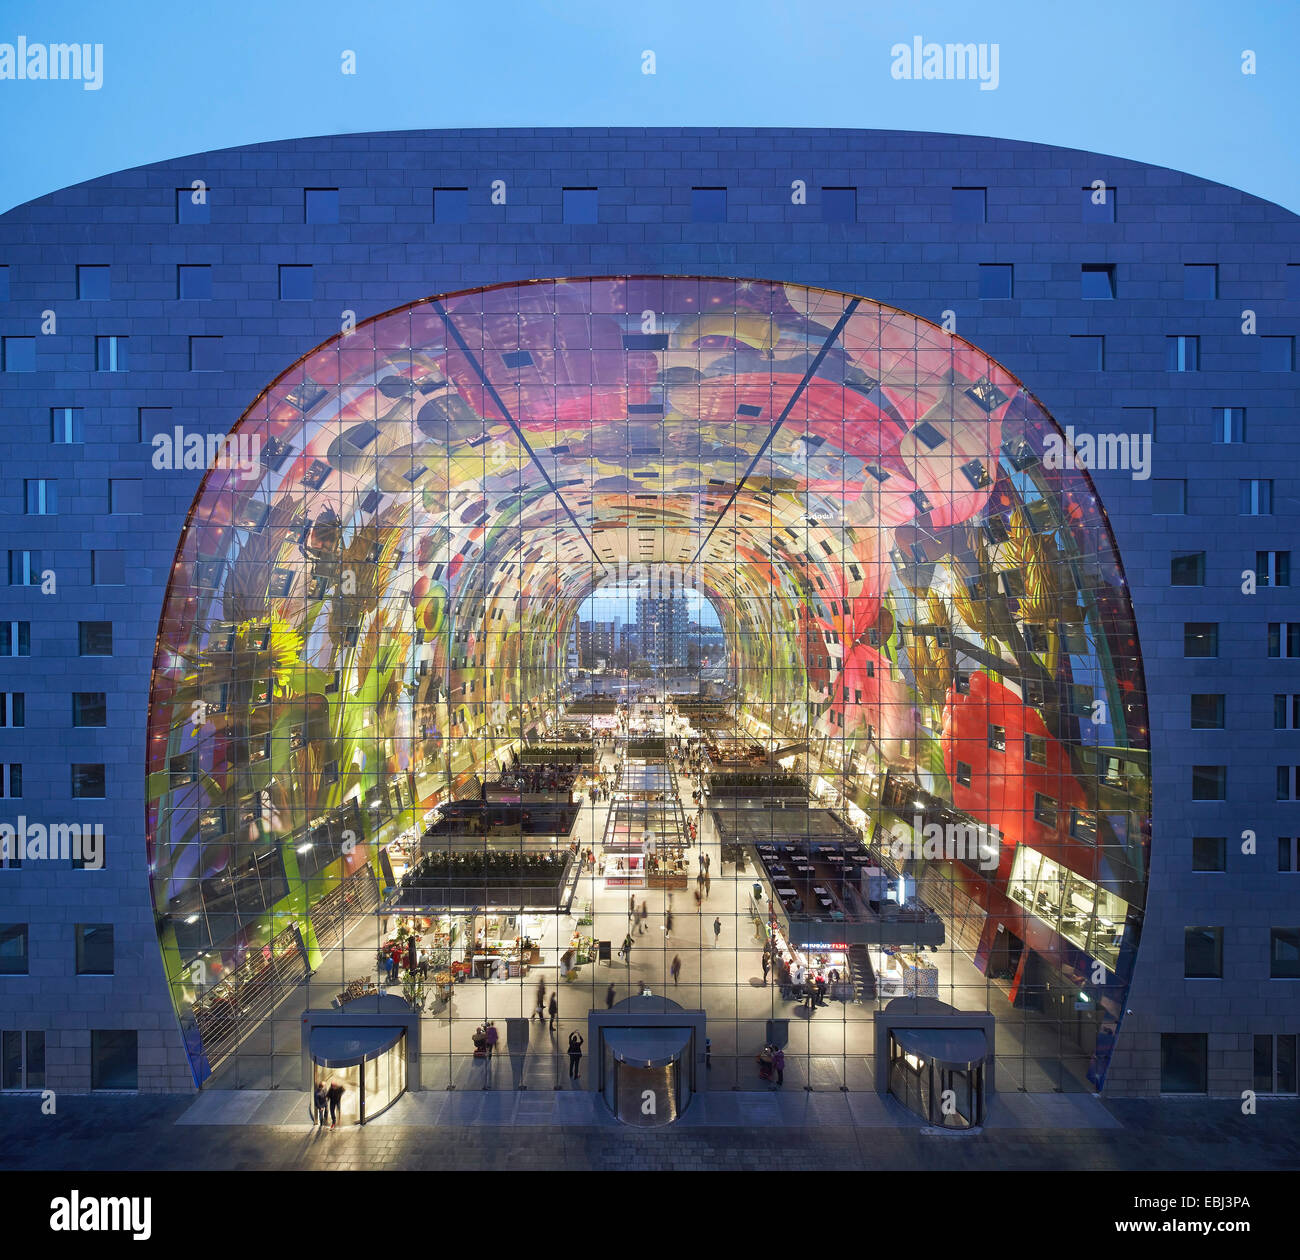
321,1099
708,884
541,1006
541,994
668,925
676,967
645,916
335,1096
778,1065
821,989
490,1036
609,996
627,949
554,1009
631,907
767,965
717,930
575,1055
699,899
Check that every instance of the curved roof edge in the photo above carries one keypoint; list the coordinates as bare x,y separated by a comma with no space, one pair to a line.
346,139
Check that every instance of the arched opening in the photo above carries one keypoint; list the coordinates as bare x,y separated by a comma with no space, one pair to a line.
371,621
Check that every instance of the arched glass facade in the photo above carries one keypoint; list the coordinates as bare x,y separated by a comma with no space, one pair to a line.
927,627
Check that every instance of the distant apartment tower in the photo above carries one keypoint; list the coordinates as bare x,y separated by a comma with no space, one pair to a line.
662,619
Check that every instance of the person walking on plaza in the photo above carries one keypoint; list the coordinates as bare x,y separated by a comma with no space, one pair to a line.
575,1055
627,949
717,930
609,996
321,1098
645,916
554,1009
490,1036
767,965
675,967
668,925
778,1065
541,997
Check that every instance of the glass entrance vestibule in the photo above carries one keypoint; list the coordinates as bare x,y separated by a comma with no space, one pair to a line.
369,1064
939,1074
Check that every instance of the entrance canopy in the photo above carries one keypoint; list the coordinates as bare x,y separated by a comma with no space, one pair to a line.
346,1047
648,1047
945,1047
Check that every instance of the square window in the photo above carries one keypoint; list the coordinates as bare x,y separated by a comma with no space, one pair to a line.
997,738
24,568
581,205
13,949
110,354
192,205
1168,496
708,205
15,638
1187,569
108,568
114,1059
194,282
1097,282
450,205
88,782
996,280
1207,711
1184,1063
1284,953
295,283
1044,810
18,354
1255,496
1087,354
1209,853
1200,282
1036,749
1182,354
839,205
89,708
970,205
13,708
1203,953
66,425
1209,783
320,205
1273,568
95,638
963,773
40,496
1099,204
205,354
93,283
1277,354
94,949
1230,425
1200,639
126,496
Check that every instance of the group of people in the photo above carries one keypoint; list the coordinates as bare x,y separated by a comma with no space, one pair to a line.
804,984
328,1099
550,777
485,1040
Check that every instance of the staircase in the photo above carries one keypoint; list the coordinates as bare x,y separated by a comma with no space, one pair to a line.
862,974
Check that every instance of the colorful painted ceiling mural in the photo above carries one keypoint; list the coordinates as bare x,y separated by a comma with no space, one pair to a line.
386,595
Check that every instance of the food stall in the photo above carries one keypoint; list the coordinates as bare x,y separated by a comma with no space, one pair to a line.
901,972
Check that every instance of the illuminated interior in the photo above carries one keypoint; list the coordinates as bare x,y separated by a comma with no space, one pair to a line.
380,613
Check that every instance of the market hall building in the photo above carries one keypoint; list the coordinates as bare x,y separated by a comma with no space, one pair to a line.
316,452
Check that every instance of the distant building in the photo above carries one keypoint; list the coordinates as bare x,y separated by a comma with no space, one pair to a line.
662,620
